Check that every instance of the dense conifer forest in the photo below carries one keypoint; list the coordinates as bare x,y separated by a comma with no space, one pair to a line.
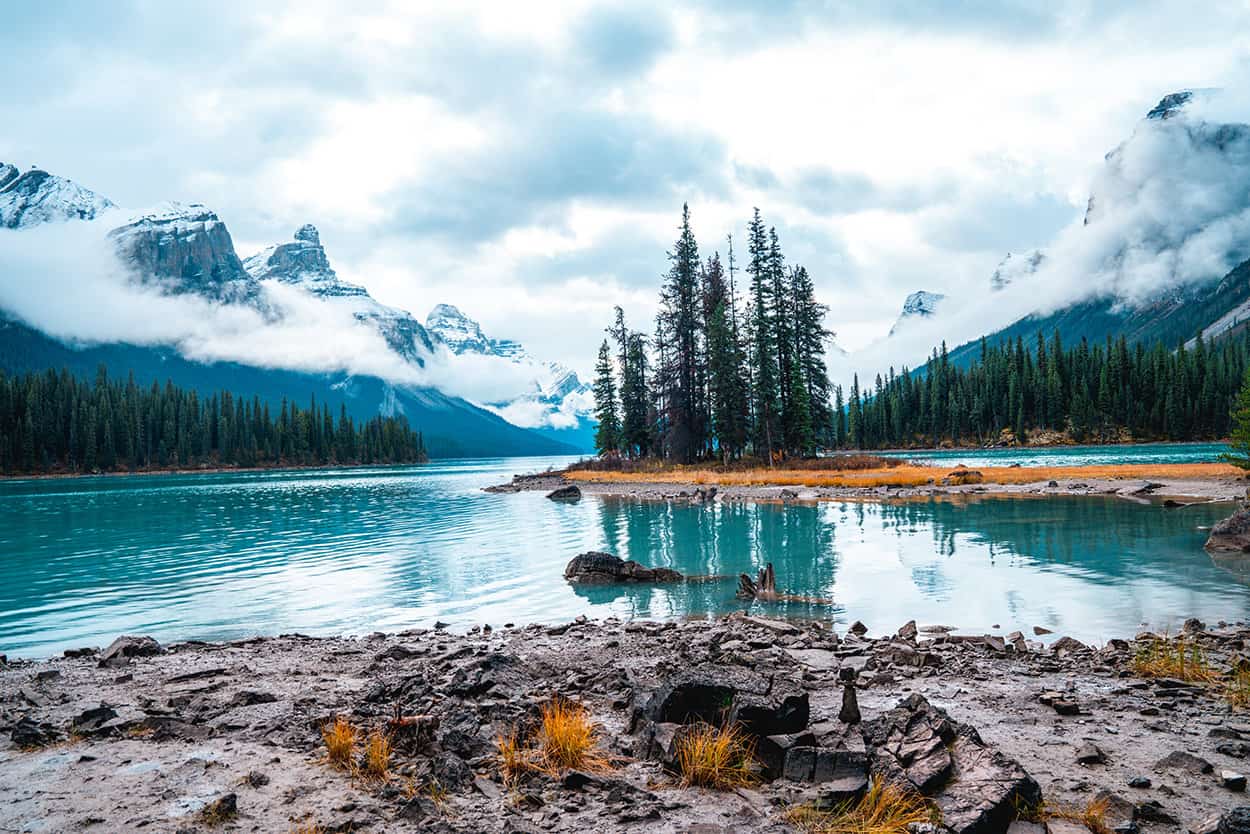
57,422
726,377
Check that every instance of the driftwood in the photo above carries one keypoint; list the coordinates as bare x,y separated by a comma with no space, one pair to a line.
765,589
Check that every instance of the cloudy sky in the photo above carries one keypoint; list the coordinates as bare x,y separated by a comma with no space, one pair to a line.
528,162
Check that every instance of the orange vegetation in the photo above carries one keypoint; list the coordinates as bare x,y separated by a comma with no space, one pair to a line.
912,475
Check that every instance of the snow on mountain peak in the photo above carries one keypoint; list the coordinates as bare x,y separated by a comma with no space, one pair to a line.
308,233
1012,268
35,196
920,304
301,262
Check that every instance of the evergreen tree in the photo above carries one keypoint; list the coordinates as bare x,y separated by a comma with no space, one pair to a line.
608,433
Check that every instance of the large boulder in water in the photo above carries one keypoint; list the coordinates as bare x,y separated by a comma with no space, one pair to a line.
1233,533
566,493
595,568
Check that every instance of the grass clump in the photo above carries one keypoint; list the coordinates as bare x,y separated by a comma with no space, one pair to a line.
1237,690
716,757
884,809
377,758
1093,814
566,740
340,738
1173,658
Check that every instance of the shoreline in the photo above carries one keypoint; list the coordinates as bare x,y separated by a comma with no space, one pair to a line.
147,737
212,470
1136,482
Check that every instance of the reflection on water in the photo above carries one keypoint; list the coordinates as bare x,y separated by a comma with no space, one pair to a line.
1069,455
226,555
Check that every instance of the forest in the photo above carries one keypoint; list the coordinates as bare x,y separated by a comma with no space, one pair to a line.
726,377
55,422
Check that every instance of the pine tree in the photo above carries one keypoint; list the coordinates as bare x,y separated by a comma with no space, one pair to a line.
680,335
1239,439
765,404
608,433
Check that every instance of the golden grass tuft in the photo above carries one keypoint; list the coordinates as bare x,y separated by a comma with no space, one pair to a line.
377,759
307,828
884,809
340,739
1093,814
566,740
1173,658
716,757
1237,690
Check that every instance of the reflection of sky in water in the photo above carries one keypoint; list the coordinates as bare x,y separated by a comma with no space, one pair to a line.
218,556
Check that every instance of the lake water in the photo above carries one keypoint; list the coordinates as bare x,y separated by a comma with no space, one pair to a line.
219,556
1069,455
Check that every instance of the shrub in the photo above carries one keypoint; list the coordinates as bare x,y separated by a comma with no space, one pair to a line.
884,809
716,757
340,740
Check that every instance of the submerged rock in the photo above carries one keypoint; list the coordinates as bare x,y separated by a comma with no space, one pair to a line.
596,568
566,493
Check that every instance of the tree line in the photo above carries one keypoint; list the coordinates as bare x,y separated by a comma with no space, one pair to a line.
55,422
1099,392
721,377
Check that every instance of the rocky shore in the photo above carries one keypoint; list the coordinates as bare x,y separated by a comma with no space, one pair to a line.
229,736
1188,490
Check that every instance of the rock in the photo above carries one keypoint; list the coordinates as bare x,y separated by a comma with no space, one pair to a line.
1026,827
858,629
960,476
121,650
83,652
256,779
1233,780
1040,630
849,714
1235,749
1068,644
1235,821
595,568
1061,826
1090,754
29,734
1232,535
772,750
93,719
1119,811
1060,702
1193,626
1141,782
977,789
566,493
1052,484
908,631
714,695
1187,762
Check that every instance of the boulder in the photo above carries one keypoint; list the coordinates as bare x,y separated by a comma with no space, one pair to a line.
566,493
1188,762
596,568
1235,821
1232,535
1068,644
716,695
29,734
121,650
977,789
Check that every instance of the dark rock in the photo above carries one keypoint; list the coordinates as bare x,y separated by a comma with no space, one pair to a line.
247,698
908,631
1235,749
566,493
1118,810
1152,811
256,779
452,772
505,671
83,652
1232,535
1090,754
715,695
92,719
1068,644
1061,703
849,714
1193,626
1141,782
858,629
1188,762
121,650
1233,780
911,741
1040,630
29,734
222,808
1235,821
772,750
594,568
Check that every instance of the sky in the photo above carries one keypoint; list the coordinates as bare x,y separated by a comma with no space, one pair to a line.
528,162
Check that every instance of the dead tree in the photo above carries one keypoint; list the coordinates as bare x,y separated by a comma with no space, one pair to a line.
765,589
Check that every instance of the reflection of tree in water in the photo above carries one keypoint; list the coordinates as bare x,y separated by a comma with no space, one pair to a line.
721,539
1106,538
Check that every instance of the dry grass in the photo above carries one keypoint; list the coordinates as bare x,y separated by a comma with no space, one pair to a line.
308,828
1173,658
884,809
844,462
566,740
716,757
340,739
903,475
1093,815
1237,689
377,759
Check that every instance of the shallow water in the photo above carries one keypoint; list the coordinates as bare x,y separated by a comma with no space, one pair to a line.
219,556
1069,455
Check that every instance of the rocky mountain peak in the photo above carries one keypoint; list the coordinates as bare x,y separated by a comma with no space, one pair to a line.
1012,268
28,198
920,304
308,234
1170,105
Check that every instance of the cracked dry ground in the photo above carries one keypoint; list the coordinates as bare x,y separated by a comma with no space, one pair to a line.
146,738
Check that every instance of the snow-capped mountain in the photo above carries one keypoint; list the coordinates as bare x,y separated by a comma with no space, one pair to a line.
557,398
32,197
302,263
185,249
919,305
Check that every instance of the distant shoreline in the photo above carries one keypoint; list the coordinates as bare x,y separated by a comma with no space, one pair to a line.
211,470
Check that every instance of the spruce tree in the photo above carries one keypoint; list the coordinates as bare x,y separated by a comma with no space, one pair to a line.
608,433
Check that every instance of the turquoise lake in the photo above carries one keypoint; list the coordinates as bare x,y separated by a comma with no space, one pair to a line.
1069,455
218,556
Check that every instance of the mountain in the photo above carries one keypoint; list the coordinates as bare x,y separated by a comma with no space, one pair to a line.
187,250
919,305
32,197
302,263
557,403
1163,249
